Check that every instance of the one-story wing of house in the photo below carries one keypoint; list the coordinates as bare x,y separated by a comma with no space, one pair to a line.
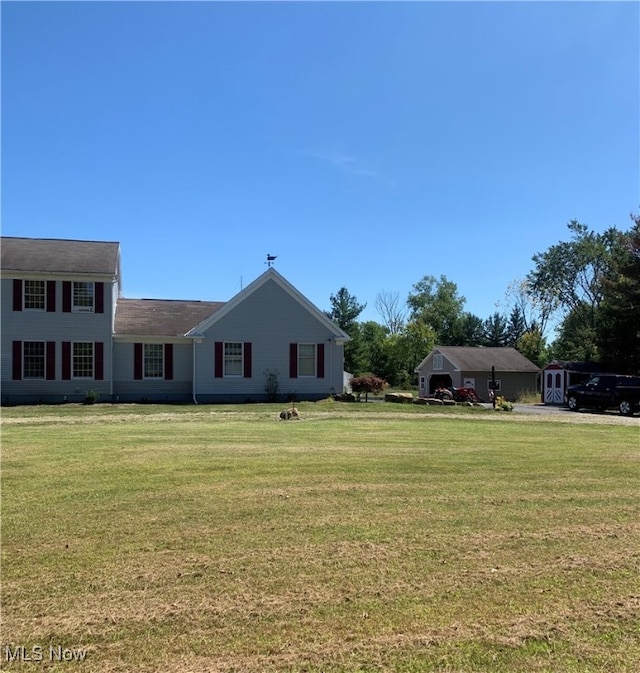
475,367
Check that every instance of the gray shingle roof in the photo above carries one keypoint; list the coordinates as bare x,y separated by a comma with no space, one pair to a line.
161,317
49,255
474,359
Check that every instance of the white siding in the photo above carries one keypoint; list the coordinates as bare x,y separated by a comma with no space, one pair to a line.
57,327
128,389
270,319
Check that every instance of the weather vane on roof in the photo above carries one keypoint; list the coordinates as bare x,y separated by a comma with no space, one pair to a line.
270,260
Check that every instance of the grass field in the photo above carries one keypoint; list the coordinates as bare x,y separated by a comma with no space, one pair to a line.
361,538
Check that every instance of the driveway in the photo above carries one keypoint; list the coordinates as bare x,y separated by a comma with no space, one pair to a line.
584,415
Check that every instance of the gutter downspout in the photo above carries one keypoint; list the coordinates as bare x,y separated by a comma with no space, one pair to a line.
111,363
193,374
112,330
331,375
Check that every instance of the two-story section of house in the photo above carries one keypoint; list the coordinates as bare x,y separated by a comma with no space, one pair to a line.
58,303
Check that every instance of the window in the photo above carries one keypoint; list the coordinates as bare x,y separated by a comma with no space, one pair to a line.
34,295
438,362
306,359
82,360
233,358
83,296
153,361
33,359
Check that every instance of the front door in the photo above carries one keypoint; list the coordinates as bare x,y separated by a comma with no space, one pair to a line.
554,387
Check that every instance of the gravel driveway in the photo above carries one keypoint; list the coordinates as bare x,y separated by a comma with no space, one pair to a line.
563,414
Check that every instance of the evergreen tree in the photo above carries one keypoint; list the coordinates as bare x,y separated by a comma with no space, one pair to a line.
495,330
345,310
516,326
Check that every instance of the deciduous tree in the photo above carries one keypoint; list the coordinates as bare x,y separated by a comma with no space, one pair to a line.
618,324
570,278
437,304
391,310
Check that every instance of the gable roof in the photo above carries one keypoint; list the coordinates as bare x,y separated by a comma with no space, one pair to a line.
585,367
54,255
477,358
270,275
161,317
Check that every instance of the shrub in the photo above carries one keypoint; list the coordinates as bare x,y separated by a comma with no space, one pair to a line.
91,397
503,404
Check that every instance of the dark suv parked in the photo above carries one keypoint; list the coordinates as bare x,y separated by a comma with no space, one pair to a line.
606,391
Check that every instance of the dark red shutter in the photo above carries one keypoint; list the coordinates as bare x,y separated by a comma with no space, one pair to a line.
320,361
247,359
137,361
17,294
66,296
17,360
168,362
99,298
51,296
66,360
218,359
293,361
51,360
98,361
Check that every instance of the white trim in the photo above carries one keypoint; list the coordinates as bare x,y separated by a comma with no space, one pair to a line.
93,361
315,360
224,360
75,308
23,376
144,362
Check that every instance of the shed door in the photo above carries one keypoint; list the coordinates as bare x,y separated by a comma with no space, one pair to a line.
554,387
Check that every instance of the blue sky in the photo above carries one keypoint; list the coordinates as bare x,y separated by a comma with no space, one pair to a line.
366,144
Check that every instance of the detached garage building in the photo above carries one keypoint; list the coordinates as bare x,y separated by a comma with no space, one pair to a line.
469,366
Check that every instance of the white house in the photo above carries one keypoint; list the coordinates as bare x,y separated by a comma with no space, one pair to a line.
66,330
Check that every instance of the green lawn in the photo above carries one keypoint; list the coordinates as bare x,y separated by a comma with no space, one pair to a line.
362,538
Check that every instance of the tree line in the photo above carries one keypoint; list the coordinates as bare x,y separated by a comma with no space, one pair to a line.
588,286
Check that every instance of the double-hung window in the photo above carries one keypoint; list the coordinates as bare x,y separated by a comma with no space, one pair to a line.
82,359
153,361
34,295
83,297
233,358
438,362
33,360
306,359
